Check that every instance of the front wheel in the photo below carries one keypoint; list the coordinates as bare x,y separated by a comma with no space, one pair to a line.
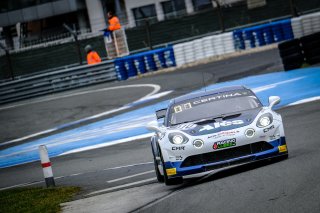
171,181
160,177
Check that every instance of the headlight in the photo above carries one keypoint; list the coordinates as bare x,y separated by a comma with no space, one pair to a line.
264,120
177,138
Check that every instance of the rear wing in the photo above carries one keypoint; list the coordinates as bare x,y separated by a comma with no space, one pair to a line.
161,113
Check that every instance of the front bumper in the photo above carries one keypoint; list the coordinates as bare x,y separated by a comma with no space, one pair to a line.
238,155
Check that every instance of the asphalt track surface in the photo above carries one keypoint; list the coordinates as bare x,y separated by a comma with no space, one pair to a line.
32,116
123,173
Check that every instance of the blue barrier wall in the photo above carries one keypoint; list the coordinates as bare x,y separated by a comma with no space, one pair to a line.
153,60
244,38
264,34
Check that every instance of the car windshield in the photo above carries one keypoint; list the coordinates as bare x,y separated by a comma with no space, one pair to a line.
212,106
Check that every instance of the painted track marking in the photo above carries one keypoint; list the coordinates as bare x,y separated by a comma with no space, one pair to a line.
101,145
130,176
121,186
156,88
130,165
76,174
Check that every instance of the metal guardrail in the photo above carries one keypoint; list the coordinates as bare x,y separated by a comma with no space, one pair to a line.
56,81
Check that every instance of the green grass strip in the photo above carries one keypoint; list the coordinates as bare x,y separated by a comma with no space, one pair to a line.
35,199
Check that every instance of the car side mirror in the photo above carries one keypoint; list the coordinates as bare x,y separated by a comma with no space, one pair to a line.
152,126
161,113
274,100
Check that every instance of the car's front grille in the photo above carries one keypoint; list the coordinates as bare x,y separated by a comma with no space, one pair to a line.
226,154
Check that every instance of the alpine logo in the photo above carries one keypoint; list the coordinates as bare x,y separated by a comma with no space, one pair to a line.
224,144
221,124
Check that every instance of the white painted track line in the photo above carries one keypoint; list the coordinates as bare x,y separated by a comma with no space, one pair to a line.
21,185
130,176
156,88
130,165
109,143
76,174
122,186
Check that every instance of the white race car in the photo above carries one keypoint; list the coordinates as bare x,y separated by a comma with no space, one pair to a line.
214,129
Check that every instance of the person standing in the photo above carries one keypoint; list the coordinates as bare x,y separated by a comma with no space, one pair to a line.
92,56
114,23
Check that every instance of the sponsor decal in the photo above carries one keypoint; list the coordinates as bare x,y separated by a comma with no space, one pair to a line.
174,148
171,171
282,148
186,126
216,97
223,134
179,158
219,97
224,144
221,124
268,129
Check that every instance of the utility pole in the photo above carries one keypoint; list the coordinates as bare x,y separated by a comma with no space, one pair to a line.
75,36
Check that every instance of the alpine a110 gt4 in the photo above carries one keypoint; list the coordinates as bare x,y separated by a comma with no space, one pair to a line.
213,129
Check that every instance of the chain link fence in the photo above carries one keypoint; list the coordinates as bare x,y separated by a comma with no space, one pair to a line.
177,27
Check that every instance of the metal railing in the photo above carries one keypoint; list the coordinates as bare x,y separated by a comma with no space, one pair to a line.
56,81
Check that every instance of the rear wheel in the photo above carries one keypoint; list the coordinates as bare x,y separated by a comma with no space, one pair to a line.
171,181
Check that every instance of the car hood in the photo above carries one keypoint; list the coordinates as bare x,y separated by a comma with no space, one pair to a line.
240,119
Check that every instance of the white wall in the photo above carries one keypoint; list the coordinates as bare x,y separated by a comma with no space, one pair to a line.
96,16
131,4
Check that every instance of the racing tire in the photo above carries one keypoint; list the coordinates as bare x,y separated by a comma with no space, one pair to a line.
169,181
160,177
290,51
313,60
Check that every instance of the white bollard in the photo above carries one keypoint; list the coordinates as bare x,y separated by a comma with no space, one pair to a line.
46,166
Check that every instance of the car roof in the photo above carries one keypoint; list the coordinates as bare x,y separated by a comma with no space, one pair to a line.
205,93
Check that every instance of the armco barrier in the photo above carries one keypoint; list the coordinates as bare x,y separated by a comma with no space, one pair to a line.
261,35
140,63
57,81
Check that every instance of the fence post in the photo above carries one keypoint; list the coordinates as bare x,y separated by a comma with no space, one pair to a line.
293,8
46,166
8,60
147,24
75,36
148,31
220,15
